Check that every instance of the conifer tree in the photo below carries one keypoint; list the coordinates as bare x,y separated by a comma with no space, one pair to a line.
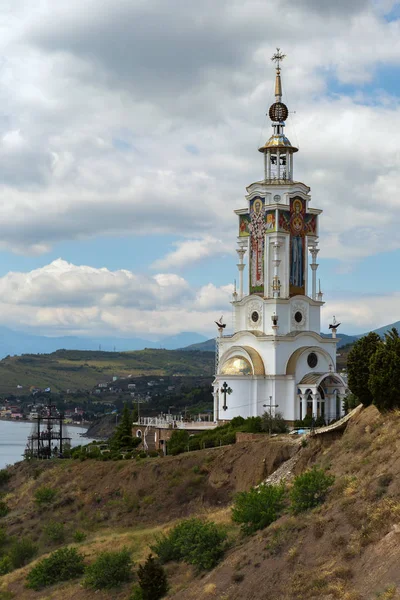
122,436
152,579
358,366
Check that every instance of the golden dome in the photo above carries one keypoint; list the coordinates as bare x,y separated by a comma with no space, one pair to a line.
277,141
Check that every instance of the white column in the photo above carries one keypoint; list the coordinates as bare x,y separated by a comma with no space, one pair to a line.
278,163
276,285
265,166
268,159
314,266
314,396
216,407
241,252
291,166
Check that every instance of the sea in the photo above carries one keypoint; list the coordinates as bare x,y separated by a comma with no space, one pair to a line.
14,434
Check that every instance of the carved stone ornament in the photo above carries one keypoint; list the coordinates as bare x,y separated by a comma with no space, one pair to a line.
254,315
299,315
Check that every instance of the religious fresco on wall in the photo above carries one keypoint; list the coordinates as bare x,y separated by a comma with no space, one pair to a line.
297,246
257,229
244,221
284,221
311,224
270,221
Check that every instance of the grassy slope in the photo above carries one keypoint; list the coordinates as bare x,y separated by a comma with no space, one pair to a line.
346,549
84,369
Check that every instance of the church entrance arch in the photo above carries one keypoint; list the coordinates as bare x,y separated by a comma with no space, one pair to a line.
320,395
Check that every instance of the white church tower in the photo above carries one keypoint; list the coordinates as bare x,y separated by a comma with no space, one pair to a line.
276,360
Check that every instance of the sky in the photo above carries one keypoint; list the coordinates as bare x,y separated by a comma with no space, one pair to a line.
129,131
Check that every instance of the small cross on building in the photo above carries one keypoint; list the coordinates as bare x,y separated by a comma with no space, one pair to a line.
225,389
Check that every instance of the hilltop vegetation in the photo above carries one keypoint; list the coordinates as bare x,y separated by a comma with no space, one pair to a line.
339,543
82,370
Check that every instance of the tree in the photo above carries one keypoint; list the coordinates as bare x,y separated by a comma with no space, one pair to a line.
274,423
152,579
178,442
358,366
122,436
385,372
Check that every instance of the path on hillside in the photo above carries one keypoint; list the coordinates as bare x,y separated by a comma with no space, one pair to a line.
284,473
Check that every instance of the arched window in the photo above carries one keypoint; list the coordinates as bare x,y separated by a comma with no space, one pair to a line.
237,365
139,433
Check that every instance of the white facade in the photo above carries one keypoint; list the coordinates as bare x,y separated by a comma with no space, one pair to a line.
276,360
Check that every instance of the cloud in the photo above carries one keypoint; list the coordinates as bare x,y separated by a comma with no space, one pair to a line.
103,103
189,252
78,300
361,313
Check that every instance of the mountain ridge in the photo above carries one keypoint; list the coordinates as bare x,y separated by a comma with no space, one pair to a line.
344,339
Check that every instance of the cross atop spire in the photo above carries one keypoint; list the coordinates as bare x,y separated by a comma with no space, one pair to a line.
278,57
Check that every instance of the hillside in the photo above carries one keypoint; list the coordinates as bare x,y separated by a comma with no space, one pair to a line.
345,549
79,369
22,342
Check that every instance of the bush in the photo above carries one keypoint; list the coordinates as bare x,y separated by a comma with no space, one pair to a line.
309,489
3,537
196,542
61,565
45,495
4,510
54,532
152,580
79,536
5,565
109,570
21,552
5,476
259,507
274,423
178,442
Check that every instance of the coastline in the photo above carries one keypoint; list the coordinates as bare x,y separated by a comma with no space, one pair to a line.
85,426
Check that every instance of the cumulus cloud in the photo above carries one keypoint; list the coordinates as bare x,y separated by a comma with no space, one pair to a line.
189,252
361,314
124,117
62,297
151,115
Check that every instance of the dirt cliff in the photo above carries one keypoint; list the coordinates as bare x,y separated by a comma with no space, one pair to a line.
348,548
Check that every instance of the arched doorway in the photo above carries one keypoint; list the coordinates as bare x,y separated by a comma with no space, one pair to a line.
319,396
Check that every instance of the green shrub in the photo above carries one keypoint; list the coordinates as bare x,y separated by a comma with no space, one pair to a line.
5,476
274,423
194,541
61,565
258,507
79,536
55,532
152,580
109,570
178,442
3,537
5,565
21,552
309,489
45,495
4,509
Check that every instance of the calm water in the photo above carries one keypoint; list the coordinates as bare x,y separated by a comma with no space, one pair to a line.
13,436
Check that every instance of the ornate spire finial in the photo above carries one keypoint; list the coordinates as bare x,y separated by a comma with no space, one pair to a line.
277,58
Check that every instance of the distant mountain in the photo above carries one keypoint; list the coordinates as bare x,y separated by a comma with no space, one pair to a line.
18,342
344,339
